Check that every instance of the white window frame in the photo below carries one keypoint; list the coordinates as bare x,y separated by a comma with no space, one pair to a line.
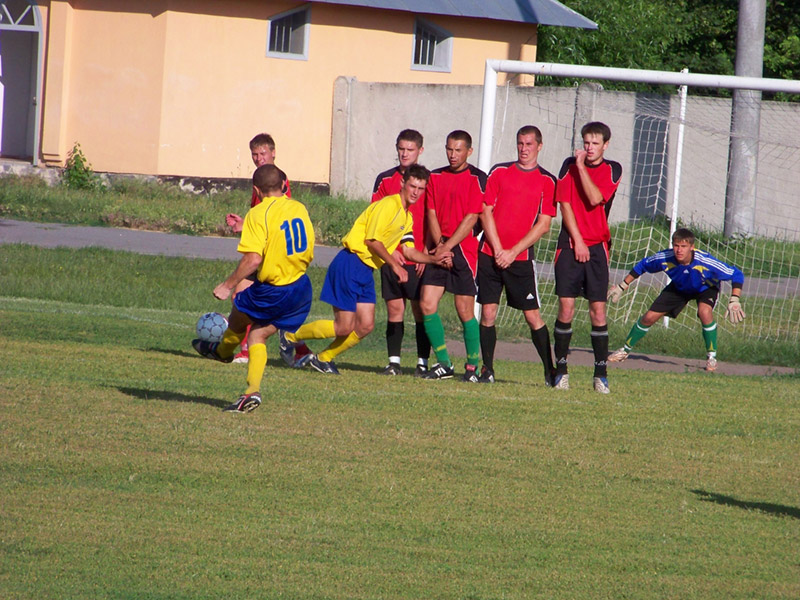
304,30
443,48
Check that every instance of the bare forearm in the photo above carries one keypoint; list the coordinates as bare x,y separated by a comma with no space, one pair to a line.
535,233
378,248
490,229
462,231
570,223
589,187
247,264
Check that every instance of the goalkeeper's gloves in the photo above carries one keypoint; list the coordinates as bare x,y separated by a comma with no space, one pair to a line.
734,314
615,291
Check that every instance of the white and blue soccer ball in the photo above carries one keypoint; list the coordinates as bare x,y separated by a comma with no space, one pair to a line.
211,327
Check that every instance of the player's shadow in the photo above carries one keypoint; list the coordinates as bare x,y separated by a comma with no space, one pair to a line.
165,396
765,507
172,351
649,359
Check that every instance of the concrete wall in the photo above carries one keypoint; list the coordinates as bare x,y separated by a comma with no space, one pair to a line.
368,116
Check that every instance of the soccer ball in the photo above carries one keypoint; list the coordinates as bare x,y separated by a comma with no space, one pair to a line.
211,326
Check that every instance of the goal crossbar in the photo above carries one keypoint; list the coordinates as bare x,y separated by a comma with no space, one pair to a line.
493,67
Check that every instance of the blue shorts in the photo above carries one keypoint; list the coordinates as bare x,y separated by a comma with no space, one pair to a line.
348,282
284,306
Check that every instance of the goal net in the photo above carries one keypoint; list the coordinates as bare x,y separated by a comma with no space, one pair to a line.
675,152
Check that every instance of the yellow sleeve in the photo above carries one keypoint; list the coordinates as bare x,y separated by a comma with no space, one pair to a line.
254,232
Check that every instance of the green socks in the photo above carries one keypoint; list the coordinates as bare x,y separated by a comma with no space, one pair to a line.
435,331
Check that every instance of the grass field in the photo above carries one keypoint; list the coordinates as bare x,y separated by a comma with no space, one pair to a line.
120,477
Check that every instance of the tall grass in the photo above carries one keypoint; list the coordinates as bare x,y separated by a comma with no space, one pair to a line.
158,207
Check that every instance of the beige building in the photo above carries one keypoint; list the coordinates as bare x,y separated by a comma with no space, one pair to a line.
178,87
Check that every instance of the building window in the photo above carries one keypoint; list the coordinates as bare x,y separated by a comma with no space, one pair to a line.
288,34
433,47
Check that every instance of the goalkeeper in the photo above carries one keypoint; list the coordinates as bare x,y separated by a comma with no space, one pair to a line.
695,275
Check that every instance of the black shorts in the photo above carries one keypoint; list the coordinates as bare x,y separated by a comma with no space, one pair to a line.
519,281
588,280
392,289
460,280
671,302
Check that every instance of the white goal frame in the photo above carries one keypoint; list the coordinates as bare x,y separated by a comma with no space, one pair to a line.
493,67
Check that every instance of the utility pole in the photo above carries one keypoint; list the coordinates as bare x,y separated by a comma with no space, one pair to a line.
740,197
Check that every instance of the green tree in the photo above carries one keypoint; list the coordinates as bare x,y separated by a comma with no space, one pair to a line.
669,36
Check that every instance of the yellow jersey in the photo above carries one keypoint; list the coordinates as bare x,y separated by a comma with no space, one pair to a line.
280,230
386,221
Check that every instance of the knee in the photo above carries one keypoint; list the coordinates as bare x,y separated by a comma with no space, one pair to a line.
342,329
364,329
488,314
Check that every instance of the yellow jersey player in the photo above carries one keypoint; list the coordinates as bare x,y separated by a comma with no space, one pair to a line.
277,245
349,285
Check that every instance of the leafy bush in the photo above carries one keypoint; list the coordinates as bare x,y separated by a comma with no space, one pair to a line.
78,173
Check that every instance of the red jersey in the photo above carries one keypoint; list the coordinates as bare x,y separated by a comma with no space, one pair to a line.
518,196
390,182
453,196
592,220
254,199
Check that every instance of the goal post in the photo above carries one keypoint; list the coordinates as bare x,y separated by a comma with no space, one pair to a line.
675,152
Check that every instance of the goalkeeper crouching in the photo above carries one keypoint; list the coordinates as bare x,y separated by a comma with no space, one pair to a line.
694,275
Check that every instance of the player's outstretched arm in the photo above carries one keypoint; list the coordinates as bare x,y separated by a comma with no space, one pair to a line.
377,247
247,265
444,259
616,290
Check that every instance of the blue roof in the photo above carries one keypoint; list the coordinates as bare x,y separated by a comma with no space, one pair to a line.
541,12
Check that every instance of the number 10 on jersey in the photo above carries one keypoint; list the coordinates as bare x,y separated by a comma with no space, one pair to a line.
295,234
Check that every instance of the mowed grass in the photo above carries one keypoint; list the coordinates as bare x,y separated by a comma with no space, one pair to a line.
120,477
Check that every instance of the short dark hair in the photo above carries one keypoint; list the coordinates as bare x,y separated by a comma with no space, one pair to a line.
598,128
268,178
417,172
409,135
460,135
683,235
262,139
530,130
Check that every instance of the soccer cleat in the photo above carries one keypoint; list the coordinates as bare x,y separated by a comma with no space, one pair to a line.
209,350
302,354
392,369
246,403
439,371
285,348
328,368
618,355
420,371
486,376
550,379
711,364
601,385
470,374
242,357
561,382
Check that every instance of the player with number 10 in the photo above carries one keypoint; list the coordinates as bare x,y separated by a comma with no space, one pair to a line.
277,244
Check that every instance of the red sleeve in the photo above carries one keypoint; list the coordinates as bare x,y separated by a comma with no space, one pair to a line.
564,188
476,195
607,187
549,197
492,188
379,193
